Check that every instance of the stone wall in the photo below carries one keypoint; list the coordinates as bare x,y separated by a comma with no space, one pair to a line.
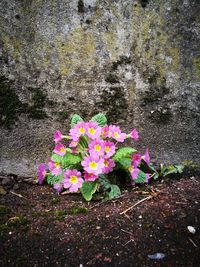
137,61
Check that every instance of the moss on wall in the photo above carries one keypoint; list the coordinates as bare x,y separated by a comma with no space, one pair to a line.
10,105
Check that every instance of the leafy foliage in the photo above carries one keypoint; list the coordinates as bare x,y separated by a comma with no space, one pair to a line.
166,170
75,119
51,179
88,189
70,160
114,192
123,152
141,178
100,119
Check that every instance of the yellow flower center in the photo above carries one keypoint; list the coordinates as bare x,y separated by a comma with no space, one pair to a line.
73,179
107,149
44,173
116,135
93,165
106,163
62,149
81,130
97,147
131,168
57,165
91,131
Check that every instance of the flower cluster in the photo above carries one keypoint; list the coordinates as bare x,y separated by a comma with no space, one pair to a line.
91,151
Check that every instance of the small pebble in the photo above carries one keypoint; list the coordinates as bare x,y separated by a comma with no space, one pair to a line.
191,229
156,256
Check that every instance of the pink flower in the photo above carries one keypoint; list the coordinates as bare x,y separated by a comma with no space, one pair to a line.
41,173
105,132
72,180
146,157
136,159
57,136
73,144
134,172
54,167
93,164
78,130
90,177
134,135
58,187
148,176
109,164
96,146
117,134
93,130
109,149
60,149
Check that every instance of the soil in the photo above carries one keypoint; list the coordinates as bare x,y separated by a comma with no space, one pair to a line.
38,227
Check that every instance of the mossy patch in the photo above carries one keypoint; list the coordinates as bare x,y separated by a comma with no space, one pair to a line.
35,110
114,103
61,214
10,105
14,223
4,210
63,115
161,116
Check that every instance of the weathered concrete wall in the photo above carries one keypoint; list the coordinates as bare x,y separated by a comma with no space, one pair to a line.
139,61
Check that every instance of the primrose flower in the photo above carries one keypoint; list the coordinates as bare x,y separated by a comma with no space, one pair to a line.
93,164
134,172
72,180
93,130
148,176
136,159
96,146
117,134
109,149
105,132
73,144
134,134
58,187
90,176
146,156
60,149
79,130
109,164
57,136
55,167
41,173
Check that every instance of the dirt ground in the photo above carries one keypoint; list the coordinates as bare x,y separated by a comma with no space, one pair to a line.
38,227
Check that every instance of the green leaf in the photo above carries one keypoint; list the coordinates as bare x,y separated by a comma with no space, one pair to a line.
123,152
75,119
56,158
68,160
114,192
166,170
141,178
125,163
100,119
88,189
51,179
83,141
104,182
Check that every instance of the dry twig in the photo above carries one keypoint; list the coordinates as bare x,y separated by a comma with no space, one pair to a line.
137,203
18,195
